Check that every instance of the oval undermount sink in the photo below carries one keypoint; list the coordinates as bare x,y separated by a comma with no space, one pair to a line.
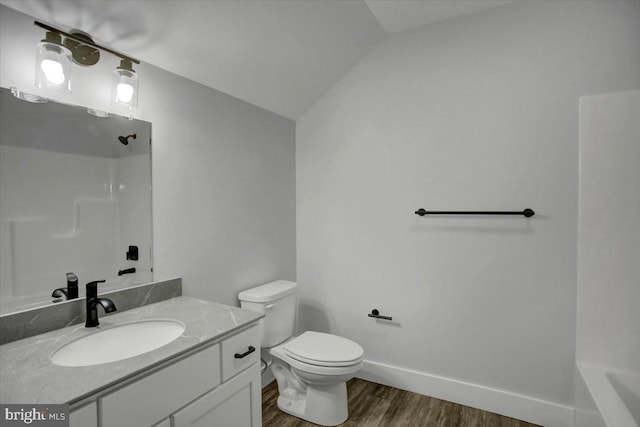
118,342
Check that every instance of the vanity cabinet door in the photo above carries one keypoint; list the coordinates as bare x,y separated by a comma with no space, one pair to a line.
154,397
237,403
87,416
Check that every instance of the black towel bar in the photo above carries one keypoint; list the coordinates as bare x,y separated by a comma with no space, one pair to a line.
527,212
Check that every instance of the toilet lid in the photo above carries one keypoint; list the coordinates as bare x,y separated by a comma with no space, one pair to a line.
322,349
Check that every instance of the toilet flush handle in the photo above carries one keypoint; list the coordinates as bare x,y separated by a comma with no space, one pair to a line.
268,306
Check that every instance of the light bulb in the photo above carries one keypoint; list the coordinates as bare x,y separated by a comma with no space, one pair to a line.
124,89
53,71
53,66
125,92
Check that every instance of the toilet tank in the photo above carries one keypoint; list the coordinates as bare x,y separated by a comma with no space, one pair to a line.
277,301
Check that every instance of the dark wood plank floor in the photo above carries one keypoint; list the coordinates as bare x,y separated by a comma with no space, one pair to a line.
375,405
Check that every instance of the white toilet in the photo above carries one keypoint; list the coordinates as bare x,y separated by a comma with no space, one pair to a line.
311,369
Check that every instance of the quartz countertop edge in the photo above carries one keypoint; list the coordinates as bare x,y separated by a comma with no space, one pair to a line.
27,375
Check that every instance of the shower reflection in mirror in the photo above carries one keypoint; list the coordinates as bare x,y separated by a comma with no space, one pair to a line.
75,195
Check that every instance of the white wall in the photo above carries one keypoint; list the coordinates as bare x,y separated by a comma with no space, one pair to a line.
608,318
223,170
478,112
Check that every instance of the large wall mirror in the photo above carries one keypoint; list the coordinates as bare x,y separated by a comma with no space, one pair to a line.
75,197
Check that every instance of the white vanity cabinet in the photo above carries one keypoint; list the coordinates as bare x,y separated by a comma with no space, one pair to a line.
218,385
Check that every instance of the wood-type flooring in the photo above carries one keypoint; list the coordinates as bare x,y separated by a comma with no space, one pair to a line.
375,405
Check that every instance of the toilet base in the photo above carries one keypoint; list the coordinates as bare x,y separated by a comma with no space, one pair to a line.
324,405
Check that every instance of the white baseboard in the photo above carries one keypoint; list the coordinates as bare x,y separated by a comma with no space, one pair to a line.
501,402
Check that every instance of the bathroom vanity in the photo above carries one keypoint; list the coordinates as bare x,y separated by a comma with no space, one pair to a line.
207,376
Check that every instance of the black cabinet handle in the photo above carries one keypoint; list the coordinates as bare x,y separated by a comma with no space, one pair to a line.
246,353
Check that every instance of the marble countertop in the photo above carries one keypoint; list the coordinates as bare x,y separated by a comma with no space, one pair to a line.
28,376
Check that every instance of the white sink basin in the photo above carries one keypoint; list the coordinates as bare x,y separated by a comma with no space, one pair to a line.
118,342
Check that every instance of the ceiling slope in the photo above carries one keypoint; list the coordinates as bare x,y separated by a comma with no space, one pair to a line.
403,15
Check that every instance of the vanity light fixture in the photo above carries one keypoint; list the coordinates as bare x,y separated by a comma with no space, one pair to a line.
60,49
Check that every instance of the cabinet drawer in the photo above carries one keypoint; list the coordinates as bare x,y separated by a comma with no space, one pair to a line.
237,354
149,400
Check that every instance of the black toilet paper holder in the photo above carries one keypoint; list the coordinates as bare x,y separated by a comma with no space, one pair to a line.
375,313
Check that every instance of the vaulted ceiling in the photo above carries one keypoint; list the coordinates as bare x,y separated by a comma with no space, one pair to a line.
281,55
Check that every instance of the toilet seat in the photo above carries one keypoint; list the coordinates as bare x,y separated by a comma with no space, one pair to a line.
320,349
311,364
278,352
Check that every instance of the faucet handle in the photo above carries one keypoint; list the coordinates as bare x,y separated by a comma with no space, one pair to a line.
95,282
92,288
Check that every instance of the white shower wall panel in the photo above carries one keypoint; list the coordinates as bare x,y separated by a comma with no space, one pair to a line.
61,213
41,254
133,192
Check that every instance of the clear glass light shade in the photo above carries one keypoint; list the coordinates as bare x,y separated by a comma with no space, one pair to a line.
53,67
125,88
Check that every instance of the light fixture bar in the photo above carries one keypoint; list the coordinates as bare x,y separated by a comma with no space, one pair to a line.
86,42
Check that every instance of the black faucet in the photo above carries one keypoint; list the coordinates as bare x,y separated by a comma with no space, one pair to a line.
92,304
71,291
